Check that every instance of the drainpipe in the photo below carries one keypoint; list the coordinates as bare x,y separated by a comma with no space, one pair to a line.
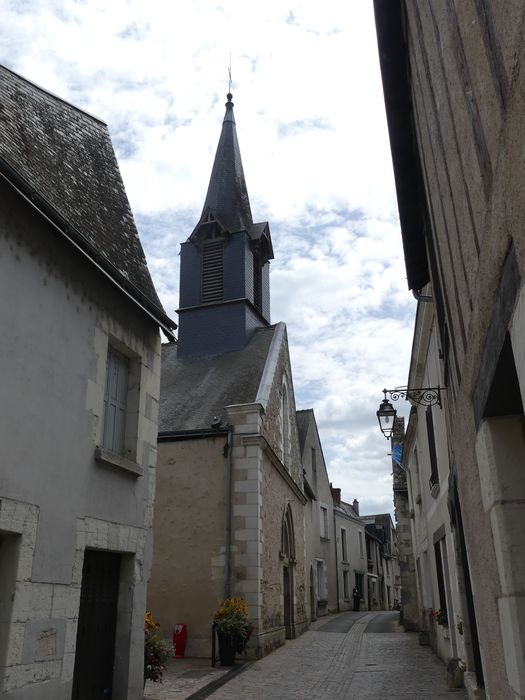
336,566
228,526
421,297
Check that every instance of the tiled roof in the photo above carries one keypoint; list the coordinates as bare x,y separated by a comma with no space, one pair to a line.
62,159
194,391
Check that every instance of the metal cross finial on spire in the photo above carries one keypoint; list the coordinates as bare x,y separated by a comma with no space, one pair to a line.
230,78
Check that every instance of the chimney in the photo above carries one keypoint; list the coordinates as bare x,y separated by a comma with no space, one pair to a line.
336,495
355,506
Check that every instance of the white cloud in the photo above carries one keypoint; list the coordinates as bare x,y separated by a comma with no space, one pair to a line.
311,126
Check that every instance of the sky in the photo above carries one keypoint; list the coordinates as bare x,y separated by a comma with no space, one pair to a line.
314,143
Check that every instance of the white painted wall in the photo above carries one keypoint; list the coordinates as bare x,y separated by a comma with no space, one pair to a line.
58,316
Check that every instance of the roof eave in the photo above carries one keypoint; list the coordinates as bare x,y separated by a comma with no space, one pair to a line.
70,233
394,64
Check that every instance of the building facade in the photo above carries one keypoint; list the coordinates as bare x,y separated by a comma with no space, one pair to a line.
229,517
351,562
454,98
426,458
320,531
80,386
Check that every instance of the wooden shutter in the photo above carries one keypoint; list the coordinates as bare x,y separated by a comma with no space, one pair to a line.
115,402
434,474
212,272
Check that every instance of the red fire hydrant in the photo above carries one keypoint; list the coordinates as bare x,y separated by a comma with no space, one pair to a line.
179,641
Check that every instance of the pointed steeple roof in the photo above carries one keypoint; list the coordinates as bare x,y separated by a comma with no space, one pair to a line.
227,198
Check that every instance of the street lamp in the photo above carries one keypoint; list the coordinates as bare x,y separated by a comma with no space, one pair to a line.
426,396
386,416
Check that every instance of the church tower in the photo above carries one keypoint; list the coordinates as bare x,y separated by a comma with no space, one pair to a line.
224,272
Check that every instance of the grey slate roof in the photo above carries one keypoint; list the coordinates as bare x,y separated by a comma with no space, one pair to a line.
303,421
227,198
194,391
348,509
227,195
63,160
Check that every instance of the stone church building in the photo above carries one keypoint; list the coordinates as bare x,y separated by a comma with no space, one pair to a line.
229,513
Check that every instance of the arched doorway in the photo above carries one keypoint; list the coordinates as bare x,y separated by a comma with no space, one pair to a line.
288,558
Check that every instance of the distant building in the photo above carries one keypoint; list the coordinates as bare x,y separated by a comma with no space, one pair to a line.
320,537
80,352
404,515
229,515
383,567
453,82
351,564
426,458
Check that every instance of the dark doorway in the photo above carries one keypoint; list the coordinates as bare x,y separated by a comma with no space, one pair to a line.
312,596
97,619
287,603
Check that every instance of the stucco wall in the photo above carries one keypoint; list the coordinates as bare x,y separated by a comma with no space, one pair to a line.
319,548
466,67
61,316
187,578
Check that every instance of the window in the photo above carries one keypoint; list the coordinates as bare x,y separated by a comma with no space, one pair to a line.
344,552
345,585
115,402
434,474
324,522
285,424
440,577
321,594
361,545
212,271
119,438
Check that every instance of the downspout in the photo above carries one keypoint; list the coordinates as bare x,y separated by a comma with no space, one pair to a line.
421,297
336,565
228,525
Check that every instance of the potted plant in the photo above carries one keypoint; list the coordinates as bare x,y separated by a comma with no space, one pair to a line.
440,616
156,651
233,629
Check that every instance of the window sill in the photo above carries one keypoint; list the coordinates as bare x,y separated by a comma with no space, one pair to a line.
107,457
325,539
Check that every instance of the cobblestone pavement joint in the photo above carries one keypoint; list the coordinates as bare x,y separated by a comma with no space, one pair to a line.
333,666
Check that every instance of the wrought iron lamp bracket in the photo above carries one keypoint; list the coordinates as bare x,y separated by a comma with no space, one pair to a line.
425,396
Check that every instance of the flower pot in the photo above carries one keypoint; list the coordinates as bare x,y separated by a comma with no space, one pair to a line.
228,645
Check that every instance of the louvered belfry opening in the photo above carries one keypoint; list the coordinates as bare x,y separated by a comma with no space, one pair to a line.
212,271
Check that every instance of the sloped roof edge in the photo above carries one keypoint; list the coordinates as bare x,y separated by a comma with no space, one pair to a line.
46,209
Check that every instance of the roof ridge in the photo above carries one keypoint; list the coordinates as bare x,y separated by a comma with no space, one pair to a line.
53,95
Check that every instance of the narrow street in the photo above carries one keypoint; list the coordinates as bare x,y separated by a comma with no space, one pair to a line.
352,655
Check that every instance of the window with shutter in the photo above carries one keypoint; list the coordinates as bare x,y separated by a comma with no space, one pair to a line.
212,272
115,402
344,553
324,522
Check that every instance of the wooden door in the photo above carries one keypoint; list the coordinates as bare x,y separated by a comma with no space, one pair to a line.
97,620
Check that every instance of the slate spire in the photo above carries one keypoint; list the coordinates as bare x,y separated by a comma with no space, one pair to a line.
227,198
224,290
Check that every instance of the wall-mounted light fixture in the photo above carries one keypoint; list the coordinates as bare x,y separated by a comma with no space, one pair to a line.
386,414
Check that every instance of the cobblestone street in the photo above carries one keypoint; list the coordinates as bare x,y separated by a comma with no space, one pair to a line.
351,655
